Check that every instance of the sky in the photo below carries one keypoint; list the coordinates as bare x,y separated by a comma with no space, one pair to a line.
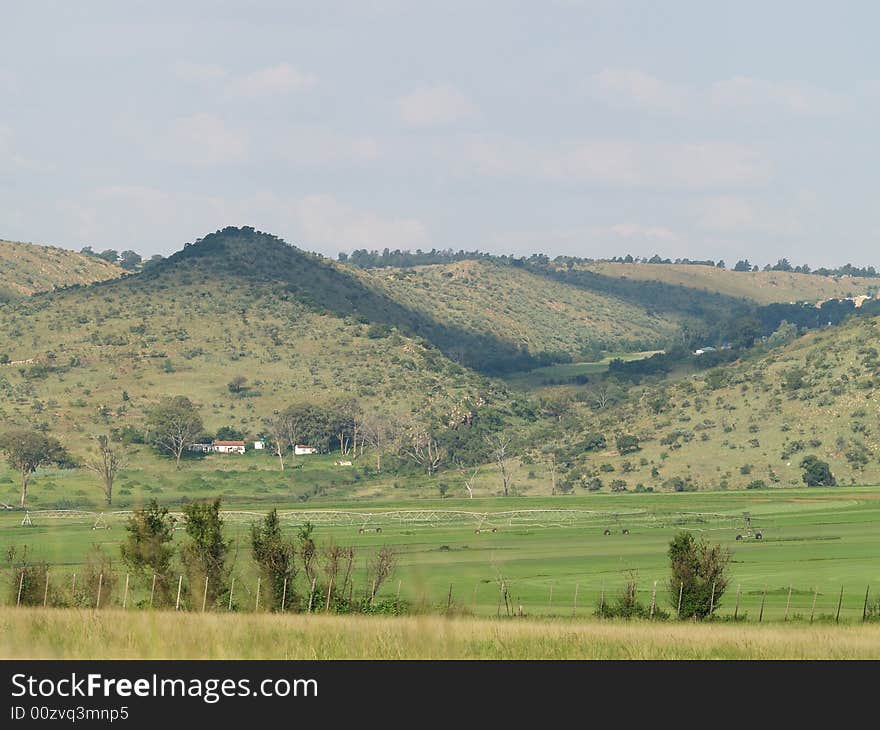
577,127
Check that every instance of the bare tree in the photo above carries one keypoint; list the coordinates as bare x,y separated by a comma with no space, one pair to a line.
381,569
107,463
499,445
378,431
469,475
279,439
424,449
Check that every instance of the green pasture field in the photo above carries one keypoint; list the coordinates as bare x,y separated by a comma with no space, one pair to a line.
539,376
815,542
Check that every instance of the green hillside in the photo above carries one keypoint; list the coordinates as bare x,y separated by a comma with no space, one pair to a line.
28,268
237,303
737,425
521,307
763,287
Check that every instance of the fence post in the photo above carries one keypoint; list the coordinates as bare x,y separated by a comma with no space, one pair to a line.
763,598
712,601
449,599
602,599
100,586
680,592
179,586
813,607
231,591
865,608
550,603
575,607
20,585
839,603
397,600
125,594
205,594
152,590
653,600
736,610
257,600
284,595
46,593
787,604
312,594
73,589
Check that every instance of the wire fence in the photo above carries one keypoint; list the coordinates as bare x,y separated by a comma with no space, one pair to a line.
244,593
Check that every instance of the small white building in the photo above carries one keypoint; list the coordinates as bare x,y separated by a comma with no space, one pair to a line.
259,446
302,450
229,447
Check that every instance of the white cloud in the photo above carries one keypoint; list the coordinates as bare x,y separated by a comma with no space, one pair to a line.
315,146
637,89
150,220
272,80
619,162
200,72
280,79
732,214
639,231
203,139
795,97
328,224
433,106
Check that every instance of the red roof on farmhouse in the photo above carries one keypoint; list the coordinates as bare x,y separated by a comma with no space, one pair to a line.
229,443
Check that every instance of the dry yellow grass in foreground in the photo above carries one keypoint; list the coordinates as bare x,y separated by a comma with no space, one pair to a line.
73,634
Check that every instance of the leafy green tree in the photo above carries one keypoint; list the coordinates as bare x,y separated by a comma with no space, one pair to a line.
698,573
627,444
206,554
110,255
237,384
172,425
130,260
274,555
148,549
817,473
26,451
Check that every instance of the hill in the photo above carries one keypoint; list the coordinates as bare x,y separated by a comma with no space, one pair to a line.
763,287
748,423
236,303
547,317
28,268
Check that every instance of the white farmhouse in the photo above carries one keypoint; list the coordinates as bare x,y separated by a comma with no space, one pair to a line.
229,447
259,446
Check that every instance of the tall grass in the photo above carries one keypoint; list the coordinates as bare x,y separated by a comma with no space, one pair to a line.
85,634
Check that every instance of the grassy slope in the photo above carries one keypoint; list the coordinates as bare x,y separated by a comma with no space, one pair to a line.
211,318
48,634
763,287
27,268
835,410
516,305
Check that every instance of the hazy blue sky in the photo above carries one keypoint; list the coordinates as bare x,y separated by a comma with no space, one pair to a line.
696,129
